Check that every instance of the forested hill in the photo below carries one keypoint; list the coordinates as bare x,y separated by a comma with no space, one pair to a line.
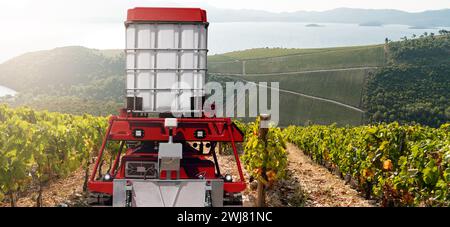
415,86
68,79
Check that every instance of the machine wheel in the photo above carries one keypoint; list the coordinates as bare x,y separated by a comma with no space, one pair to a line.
208,199
129,198
233,200
99,199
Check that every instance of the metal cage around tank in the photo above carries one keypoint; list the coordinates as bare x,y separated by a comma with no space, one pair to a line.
166,61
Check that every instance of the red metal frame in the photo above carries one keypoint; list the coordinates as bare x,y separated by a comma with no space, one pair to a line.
121,127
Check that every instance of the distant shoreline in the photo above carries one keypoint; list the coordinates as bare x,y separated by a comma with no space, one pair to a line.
422,27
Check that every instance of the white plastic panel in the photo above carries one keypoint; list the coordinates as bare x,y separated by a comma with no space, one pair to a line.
165,193
159,56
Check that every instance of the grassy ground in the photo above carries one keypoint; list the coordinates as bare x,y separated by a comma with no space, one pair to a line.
342,86
324,60
259,53
333,59
231,67
298,110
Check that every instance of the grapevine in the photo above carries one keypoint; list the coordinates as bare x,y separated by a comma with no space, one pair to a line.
36,147
400,165
269,155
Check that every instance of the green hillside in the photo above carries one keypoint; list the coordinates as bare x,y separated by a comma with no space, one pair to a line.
73,79
405,81
69,79
298,110
335,74
343,86
304,60
258,53
58,67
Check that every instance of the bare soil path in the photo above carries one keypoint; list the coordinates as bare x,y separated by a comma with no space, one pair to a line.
307,184
61,192
322,188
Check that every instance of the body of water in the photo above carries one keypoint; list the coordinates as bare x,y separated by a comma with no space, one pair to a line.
4,91
226,37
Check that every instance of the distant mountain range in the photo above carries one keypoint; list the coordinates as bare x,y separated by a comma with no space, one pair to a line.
432,18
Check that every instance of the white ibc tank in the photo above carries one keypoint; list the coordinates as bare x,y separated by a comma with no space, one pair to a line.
166,58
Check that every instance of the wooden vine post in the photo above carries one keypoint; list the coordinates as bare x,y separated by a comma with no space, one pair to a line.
261,192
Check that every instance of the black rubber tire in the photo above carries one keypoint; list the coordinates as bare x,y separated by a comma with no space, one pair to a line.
235,201
99,199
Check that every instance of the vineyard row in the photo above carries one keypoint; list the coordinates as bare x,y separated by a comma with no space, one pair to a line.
36,147
398,165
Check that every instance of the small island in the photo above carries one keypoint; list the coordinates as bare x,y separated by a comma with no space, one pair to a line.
371,24
313,25
420,27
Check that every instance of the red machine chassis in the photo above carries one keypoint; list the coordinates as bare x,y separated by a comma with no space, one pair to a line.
121,129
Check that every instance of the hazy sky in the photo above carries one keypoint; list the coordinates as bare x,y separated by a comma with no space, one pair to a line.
29,25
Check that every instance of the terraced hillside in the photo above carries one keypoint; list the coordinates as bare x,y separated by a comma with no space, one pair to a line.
316,85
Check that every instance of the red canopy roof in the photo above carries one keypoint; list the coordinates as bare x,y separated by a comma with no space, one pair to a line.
167,14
